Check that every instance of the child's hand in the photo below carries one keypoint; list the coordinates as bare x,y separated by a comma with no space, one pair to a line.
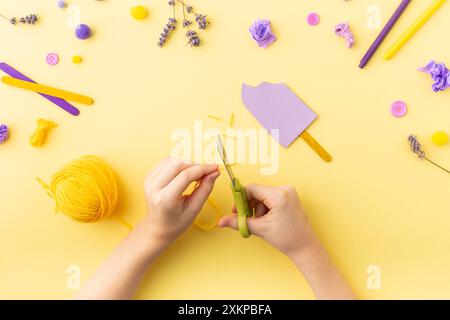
170,212
279,219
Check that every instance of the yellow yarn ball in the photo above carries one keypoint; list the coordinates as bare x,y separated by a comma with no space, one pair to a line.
84,189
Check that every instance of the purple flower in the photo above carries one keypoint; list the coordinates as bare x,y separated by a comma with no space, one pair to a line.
262,33
343,30
440,75
3,133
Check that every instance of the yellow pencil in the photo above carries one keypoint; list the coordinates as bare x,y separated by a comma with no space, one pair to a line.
66,95
413,29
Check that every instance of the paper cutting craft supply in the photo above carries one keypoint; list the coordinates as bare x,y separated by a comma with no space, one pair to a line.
231,123
383,34
85,190
239,193
416,147
412,30
39,88
214,117
343,30
278,108
4,133
440,138
59,102
39,136
209,226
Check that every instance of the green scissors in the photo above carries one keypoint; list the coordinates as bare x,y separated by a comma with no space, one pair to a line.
239,193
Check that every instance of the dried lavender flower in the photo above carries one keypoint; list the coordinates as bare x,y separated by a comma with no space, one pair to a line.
168,28
202,21
416,147
193,37
186,23
194,40
29,19
13,21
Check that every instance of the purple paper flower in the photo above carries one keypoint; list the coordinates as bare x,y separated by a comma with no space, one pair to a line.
343,30
440,75
3,133
262,33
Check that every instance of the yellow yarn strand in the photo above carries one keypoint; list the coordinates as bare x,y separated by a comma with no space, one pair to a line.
85,190
39,136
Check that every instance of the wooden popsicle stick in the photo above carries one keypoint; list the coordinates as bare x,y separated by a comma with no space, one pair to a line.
316,146
39,88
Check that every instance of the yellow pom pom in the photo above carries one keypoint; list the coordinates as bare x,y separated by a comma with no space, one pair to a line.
440,138
139,12
84,189
77,59
39,136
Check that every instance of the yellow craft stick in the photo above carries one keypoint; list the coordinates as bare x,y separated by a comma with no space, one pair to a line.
66,95
316,146
413,29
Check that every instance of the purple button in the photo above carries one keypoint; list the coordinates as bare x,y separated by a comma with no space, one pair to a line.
52,59
313,19
399,109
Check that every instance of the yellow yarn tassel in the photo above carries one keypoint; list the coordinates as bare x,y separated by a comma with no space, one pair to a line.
39,136
85,190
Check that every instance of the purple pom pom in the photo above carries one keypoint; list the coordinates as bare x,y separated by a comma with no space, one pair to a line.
83,32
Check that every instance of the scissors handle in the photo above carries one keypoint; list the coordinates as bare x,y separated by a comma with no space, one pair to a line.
243,209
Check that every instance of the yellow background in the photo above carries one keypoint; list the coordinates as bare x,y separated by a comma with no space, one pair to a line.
375,204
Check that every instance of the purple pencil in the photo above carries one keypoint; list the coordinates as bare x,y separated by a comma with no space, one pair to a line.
387,28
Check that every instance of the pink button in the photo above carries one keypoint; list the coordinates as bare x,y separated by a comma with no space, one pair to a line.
313,19
52,59
399,109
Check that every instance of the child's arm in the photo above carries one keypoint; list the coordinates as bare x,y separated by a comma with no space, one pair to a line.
281,221
170,213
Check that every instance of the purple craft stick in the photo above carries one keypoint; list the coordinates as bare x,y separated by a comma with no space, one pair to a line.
59,102
383,34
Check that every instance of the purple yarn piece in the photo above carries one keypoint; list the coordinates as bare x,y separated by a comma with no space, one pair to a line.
58,101
343,30
262,33
3,133
440,75
83,32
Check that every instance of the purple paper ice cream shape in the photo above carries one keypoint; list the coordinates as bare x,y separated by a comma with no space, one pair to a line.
280,110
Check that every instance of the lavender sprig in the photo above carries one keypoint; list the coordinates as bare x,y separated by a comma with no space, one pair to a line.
170,26
193,36
194,39
28,19
416,147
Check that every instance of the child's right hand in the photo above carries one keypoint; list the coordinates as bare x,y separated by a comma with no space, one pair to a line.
279,219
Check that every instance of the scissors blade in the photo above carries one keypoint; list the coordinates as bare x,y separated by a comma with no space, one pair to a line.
223,155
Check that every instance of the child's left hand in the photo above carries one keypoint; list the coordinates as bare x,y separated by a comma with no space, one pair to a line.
169,211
